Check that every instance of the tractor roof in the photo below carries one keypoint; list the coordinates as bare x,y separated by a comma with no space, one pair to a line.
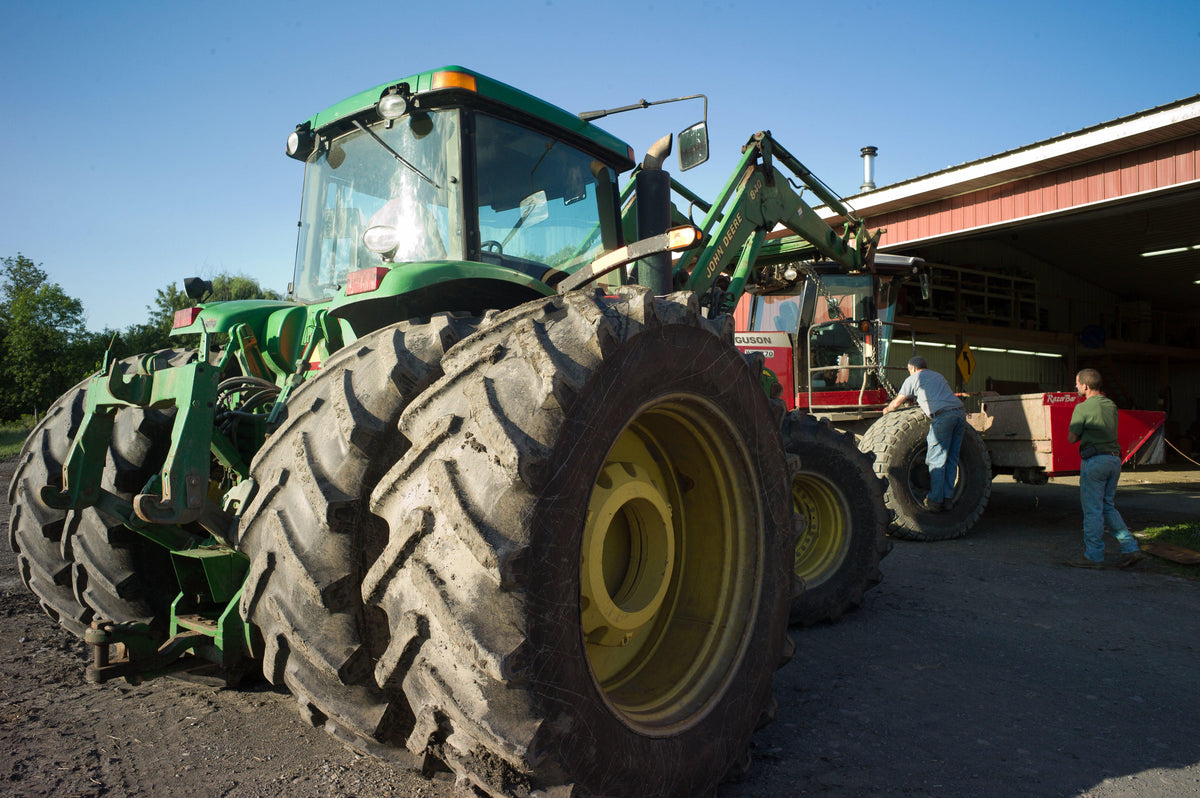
456,78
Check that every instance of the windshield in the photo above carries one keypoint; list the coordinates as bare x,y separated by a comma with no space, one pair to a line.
540,200
364,207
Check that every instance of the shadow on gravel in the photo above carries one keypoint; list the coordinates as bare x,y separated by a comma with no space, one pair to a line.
984,667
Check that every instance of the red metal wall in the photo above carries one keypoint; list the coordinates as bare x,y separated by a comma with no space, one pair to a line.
1149,169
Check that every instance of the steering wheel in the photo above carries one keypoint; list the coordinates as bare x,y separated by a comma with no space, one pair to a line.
492,246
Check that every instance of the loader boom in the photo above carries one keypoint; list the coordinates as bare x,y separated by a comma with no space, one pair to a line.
757,199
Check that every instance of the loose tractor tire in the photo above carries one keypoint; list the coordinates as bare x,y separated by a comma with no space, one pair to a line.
898,441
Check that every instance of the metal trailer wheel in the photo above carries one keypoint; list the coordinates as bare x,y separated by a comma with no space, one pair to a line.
844,537
586,578
898,443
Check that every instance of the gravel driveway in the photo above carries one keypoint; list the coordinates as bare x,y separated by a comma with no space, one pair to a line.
984,667
979,667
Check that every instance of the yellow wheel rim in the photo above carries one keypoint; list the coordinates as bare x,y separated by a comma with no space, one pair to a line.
669,565
822,545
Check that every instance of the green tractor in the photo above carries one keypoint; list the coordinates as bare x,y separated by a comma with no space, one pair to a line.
480,498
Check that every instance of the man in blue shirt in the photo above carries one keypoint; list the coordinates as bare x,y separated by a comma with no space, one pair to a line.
947,423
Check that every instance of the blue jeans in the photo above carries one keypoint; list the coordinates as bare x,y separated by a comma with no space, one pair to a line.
1097,487
943,442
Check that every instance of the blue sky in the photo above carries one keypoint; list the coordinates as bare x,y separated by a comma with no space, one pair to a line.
143,142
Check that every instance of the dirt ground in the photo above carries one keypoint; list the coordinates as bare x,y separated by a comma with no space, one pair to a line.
979,667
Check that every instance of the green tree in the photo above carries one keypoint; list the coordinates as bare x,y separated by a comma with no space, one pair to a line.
225,287
45,347
155,332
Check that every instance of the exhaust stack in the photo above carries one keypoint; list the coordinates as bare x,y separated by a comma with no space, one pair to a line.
868,156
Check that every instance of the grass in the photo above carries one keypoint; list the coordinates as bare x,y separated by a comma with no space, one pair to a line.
13,435
1186,535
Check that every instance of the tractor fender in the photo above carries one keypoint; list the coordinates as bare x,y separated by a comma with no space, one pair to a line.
221,317
278,326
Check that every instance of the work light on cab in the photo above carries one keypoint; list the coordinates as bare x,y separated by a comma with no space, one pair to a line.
300,142
382,239
394,104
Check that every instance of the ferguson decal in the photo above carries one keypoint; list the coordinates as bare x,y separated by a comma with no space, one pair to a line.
744,339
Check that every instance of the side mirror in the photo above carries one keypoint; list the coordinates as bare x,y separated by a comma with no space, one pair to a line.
693,146
926,289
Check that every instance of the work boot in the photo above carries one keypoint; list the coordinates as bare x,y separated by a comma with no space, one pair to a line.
1084,562
933,507
1130,558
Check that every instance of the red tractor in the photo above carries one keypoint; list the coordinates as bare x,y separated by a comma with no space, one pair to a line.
825,333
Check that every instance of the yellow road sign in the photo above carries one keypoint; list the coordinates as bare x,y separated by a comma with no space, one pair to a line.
966,363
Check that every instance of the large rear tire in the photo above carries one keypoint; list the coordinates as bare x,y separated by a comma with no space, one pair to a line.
587,574
898,442
844,538
83,564
310,538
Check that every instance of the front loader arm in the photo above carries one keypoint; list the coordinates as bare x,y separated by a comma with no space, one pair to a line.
758,198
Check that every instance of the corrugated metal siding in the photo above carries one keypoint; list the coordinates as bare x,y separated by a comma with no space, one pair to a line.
1164,166
741,313
1047,372
1138,380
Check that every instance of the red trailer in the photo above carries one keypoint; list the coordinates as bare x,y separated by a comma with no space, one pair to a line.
1026,435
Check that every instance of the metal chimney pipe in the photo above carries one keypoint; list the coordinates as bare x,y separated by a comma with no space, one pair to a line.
868,156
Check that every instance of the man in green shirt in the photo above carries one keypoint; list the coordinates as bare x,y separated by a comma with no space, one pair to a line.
1094,427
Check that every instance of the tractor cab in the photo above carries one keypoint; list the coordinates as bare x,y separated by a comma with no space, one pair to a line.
831,331
449,191
826,335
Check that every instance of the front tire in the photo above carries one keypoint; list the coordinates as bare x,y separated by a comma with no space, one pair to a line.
898,441
587,573
844,538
